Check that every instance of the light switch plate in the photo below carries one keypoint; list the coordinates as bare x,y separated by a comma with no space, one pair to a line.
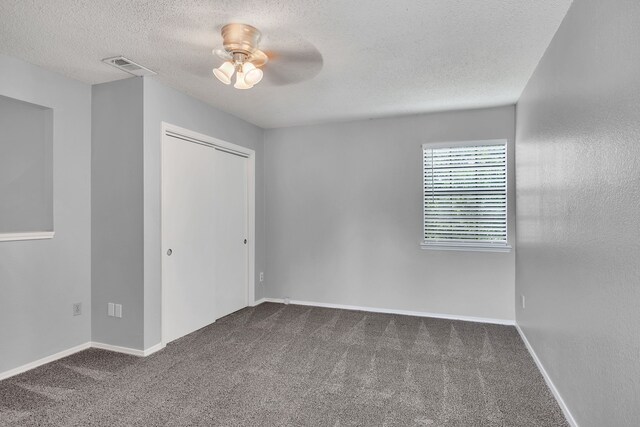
118,310
111,311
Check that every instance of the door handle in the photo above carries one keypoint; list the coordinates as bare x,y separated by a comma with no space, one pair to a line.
169,252
245,241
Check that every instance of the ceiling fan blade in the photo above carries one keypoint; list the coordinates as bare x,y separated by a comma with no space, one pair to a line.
292,59
283,73
294,55
279,77
291,67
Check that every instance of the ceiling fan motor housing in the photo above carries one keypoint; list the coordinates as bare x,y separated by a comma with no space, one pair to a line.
241,42
240,38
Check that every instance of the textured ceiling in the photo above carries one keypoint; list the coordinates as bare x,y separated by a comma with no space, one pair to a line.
338,60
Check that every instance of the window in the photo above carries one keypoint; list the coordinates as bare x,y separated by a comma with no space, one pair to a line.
465,196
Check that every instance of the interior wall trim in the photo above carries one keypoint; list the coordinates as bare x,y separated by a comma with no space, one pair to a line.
44,361
170,130
393,311
36,235
127,350
153,349
547,379
258,302
68,352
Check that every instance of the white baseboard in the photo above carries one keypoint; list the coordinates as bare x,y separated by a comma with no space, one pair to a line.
258,302
547,379
44,361
127,350
38,235
393,311
70,351
153,349
143,353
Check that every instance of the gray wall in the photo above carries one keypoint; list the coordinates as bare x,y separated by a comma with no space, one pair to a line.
578,175
162,103
344,217
26,167
116,212
41,279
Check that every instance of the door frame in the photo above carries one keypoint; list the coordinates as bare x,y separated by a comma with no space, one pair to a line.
170,130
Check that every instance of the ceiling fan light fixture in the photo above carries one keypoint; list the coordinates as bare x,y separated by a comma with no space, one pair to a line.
241,83
242,55
252,74
224,72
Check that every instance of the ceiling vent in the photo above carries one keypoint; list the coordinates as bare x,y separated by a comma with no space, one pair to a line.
128,66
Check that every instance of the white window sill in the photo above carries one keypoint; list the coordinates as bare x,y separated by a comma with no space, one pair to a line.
37,235
465,247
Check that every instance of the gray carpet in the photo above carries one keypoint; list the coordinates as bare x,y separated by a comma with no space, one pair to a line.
277,365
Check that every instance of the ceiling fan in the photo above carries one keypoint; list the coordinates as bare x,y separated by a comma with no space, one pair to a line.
291,59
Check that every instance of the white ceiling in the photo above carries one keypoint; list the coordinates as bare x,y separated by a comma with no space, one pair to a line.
372,58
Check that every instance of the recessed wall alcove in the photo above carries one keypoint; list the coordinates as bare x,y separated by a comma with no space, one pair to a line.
26,170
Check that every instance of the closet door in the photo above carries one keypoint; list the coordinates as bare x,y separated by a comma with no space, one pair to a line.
231,233
189,208
204,231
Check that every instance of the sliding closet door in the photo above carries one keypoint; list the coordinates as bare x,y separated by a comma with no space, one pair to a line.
231,233
189,237
204,235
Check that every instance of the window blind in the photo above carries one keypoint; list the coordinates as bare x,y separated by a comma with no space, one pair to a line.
465,195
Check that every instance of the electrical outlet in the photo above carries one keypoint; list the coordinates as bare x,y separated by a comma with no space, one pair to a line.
522,297
118,310
261,276
111,309
77,309
287,300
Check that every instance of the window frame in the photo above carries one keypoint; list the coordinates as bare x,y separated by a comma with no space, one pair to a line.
468,246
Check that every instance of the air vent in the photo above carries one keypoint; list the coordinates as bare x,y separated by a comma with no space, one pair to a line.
128,66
